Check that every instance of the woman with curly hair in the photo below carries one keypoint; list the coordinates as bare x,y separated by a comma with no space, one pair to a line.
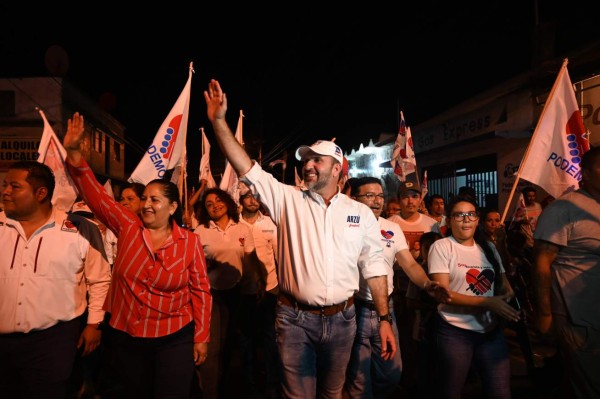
231,261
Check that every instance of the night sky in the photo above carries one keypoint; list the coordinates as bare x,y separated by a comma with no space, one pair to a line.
298,72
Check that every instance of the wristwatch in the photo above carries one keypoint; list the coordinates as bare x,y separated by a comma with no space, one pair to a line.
386,317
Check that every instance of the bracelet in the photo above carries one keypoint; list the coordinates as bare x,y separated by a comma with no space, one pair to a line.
425,284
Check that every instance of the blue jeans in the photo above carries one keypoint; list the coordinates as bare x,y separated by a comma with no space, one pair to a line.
459,349
314,351
369,376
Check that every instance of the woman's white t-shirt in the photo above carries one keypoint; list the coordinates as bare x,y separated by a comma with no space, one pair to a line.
470,273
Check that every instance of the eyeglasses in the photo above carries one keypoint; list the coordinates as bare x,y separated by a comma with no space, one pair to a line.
370,196
461,216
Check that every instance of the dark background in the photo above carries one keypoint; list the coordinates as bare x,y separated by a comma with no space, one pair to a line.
299,71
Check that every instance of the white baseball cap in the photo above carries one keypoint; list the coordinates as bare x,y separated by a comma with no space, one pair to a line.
321,147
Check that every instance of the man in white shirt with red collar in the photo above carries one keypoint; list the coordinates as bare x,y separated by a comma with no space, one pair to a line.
50,275
322,235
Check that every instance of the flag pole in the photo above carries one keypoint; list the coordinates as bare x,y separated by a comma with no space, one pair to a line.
535,133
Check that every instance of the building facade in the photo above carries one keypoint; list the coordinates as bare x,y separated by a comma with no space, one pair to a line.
481,142
21,125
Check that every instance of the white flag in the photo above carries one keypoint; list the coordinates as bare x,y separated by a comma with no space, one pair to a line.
229,181
424,185
167,150
53,154
403,157
552,160
108,189
410,161
520,212
205,172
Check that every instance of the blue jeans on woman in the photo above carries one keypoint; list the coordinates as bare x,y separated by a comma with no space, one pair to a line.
314,351
459,349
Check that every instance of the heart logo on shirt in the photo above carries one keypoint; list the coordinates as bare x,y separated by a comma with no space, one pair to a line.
387,234
242,239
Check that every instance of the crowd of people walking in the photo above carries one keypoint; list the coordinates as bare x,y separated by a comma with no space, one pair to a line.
319,290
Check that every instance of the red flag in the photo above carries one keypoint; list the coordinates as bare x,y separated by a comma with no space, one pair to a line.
552,160
205,172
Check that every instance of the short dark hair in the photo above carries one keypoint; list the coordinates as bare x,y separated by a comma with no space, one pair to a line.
466,190
38,175
138,188
171,191
361,181
432,197
528,189
589,157
349,184
429,238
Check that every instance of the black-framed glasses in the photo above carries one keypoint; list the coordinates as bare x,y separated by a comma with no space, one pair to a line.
371,196
461,216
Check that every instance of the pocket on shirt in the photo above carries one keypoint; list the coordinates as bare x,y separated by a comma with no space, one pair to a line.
174,265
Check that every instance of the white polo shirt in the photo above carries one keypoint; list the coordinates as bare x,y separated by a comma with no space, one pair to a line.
225,251
320,246
46,278
264,232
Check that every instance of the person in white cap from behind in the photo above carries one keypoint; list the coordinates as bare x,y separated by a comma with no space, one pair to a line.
322,234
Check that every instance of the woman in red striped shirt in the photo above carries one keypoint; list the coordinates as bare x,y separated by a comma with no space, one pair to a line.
159,300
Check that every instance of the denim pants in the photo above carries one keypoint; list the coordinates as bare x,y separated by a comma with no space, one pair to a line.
459,350
369,376
315,351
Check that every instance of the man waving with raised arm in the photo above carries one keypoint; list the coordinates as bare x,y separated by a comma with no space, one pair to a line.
322,235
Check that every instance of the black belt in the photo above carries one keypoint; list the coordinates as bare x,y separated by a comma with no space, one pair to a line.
289,300
367,304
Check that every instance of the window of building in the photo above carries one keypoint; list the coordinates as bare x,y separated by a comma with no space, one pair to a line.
117,150
7,103
478,173
97,140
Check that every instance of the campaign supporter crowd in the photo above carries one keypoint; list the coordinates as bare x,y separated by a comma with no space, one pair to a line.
330,288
